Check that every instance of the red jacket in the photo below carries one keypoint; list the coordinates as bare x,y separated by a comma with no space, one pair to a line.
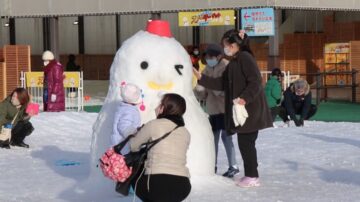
53,85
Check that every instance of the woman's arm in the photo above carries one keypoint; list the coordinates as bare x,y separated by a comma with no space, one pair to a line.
141,137
2,114
252,76
213,83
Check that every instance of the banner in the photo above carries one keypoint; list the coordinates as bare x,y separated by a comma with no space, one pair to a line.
72,79
258,22
207,18
36,79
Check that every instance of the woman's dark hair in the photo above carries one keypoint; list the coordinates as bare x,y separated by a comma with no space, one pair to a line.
173,104
232,36
22,95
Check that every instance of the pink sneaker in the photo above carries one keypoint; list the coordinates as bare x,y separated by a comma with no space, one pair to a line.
248,182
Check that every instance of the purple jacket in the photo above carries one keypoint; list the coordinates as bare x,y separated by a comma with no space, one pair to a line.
53,85
126,121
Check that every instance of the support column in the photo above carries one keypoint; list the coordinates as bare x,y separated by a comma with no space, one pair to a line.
12,32
196,36
54,37
118,30
46,35
274,56
155,16
51,35
81,35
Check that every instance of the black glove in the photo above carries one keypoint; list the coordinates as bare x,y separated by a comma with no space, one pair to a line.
298,122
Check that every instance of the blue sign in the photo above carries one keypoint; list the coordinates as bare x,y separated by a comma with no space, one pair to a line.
258,22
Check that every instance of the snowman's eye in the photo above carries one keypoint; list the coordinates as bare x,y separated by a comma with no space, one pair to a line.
144,65
178,67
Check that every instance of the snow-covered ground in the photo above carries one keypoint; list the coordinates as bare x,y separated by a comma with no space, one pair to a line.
319,162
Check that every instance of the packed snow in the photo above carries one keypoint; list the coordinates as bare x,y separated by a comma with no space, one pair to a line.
318,162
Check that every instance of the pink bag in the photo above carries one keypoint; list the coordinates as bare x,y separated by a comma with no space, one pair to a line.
32,108
114,167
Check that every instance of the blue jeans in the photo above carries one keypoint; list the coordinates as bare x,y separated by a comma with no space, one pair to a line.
228,144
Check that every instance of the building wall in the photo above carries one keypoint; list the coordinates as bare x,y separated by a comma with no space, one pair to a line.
68,36
29,31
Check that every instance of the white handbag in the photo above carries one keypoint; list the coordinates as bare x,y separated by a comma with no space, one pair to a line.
5,134
239,114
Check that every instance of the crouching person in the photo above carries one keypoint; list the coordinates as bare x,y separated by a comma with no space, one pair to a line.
297,101
14,116
166,176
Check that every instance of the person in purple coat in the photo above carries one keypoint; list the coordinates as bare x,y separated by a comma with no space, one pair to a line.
127,118
54,95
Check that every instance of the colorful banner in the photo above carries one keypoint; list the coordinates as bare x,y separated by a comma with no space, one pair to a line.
337,48
36,79
207,18
258,22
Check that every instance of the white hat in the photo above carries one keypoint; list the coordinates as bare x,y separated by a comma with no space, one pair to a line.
130,93
47,56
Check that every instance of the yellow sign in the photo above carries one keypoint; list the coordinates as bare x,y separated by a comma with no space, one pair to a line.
72,79
36,79
207,18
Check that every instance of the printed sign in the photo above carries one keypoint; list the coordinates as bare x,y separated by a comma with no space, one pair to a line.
207,18
36,79
258,22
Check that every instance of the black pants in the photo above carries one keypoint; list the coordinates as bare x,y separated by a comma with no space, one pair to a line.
20,131
163,188
247,149
284,115
274,112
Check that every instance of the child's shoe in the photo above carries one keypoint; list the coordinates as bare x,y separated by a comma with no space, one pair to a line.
248,182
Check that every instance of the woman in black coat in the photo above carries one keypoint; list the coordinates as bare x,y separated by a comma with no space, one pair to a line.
242,83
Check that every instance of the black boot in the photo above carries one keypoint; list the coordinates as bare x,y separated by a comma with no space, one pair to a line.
21,144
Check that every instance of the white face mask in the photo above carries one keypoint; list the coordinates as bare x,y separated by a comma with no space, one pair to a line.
227,51
46,63
196,52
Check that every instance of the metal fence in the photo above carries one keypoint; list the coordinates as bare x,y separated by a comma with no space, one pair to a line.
74,89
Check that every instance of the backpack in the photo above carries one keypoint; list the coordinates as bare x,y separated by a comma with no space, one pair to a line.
113,165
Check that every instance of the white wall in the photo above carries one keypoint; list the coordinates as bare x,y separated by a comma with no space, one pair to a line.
68,36
29,32
100,34
4,33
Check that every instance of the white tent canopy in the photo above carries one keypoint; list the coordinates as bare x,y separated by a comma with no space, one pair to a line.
38,8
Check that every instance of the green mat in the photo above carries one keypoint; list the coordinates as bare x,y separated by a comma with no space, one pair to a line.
331,111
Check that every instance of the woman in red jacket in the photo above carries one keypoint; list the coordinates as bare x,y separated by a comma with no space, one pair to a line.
54,95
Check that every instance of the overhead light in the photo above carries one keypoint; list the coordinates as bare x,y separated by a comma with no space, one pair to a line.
75,22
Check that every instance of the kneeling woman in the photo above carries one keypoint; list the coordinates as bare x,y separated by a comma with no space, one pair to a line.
12,109
166,176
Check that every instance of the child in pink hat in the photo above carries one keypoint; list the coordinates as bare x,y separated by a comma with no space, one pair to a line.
127,116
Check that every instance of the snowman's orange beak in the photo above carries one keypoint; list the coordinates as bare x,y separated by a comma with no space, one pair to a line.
155,86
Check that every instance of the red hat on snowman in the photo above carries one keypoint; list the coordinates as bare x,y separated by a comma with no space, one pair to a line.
159,27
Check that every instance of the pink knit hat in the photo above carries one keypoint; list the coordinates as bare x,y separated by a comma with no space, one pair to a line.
130,93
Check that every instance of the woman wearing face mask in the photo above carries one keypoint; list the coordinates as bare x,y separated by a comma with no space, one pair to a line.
242,84
13,109
54,95
166,177
215,106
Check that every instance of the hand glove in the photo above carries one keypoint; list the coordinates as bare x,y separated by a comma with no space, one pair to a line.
298,122
53,97
239,114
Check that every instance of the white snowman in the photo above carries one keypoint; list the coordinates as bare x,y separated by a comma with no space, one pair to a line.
157,63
